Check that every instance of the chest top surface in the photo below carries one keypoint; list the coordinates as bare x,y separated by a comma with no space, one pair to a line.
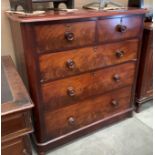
14,94
63,15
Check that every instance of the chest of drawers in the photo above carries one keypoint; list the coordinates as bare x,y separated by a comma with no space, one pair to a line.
16,108
81,69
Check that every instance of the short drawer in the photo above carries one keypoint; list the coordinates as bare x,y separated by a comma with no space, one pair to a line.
69,91
15,125
58,65
89,111
62,36
119,28
18,146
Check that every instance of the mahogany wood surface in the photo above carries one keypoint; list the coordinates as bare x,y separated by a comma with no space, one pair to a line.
71,90
145,76
15,112
59,65
18,146
80,80
60,36
86,112
80,14
16,87
16,125
108,29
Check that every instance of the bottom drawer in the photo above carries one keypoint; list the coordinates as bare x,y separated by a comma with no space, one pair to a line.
19,146
75,116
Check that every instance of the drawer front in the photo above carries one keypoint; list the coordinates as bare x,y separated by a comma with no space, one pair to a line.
58,65
76,116
15,124
18,146
63,36
68,91
119,28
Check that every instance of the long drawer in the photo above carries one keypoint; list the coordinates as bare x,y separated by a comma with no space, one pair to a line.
119,28
68,91
58,65
61,36
89,111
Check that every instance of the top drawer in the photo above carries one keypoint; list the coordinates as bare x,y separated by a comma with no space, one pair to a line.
119,28
63,36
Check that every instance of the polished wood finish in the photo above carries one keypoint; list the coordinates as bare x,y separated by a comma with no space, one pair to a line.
15,124
18,146
80,14
145,76
15,112
86,112
113,32
61,36
78,86
76,61
86,85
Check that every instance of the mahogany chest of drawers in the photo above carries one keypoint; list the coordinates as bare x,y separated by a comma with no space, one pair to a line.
81,69
16,108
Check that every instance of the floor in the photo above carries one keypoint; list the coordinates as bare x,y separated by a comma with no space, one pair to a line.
133,136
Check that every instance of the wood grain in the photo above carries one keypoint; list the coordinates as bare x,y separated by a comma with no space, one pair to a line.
86,112
53,37
80,14
144,88
16,113
55,94
55,66
66,77
107,28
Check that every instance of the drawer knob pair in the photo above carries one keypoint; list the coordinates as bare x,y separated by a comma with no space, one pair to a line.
71,120
70,64
121,28
115,103
71,91
119,53
69,36
117,77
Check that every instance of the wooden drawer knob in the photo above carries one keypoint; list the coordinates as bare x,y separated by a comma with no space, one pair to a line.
121,28
69,36
71,120
71,91
115,103
70,64
116,77
119,53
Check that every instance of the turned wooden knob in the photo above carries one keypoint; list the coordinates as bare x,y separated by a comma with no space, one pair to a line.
121,28
119,53
70,64
71,91
69,36
116,77
115,103
71,120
